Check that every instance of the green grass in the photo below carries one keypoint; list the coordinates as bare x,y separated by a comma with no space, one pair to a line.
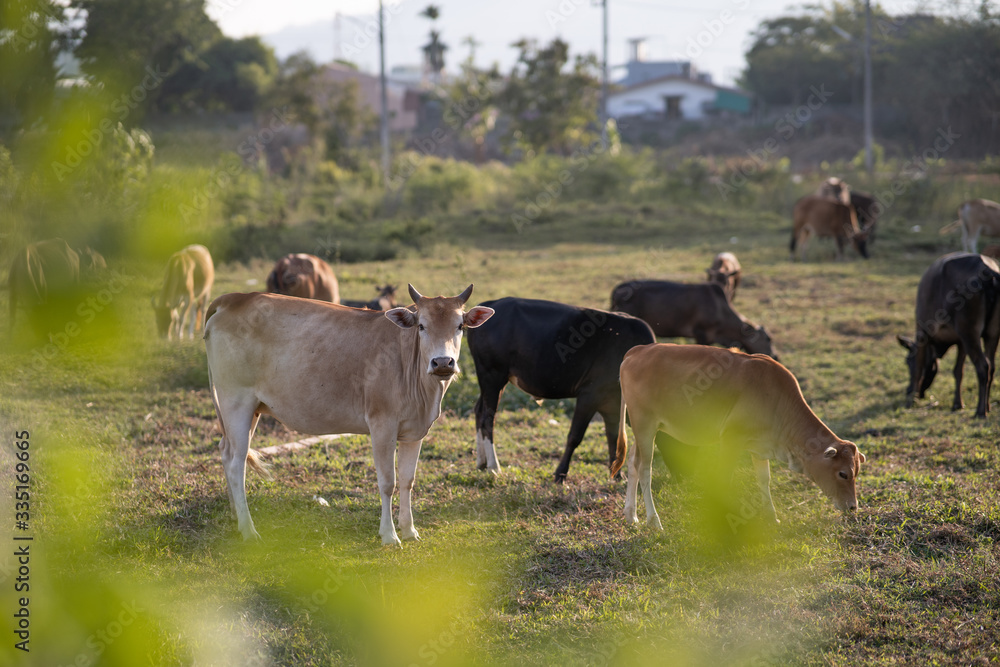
132,524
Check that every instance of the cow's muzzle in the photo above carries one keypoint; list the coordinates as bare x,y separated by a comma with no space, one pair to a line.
443,366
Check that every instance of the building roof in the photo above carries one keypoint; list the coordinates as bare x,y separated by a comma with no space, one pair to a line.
673,77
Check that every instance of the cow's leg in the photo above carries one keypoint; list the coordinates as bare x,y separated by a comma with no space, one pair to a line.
238,421
194,310
490,391
763,469
384,452
641,471
983,370
803,242
612,415
920,366
582,414
840,247
409,452
991,355
957,403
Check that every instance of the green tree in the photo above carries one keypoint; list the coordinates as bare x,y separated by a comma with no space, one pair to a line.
549,109
231,74
32,33
123,41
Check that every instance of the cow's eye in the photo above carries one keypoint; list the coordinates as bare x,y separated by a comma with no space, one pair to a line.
843,475
420,327
461,328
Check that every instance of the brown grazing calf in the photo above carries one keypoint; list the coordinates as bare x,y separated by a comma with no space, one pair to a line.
708,396
821,217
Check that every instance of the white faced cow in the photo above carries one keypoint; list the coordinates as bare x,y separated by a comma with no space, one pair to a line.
323,368
708,396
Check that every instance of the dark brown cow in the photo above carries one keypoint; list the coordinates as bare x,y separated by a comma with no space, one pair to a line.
304,276
867,208
386,299
725,272
701,312
42,277
819,216
956,305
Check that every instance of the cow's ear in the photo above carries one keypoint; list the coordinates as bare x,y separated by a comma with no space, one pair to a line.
905,342
403,318
477,316
862,457
831,452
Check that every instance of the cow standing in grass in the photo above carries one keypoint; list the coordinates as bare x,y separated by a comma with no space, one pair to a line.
304,276
552,350
187,287
45,278
710,397
725,272
322,368
818,216
701,312
976,217
956,305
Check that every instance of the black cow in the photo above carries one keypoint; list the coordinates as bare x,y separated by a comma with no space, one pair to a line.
552,350
699,311
956,305
868,209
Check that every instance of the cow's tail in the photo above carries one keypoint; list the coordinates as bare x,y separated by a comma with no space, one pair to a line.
619,461
947,229
257,463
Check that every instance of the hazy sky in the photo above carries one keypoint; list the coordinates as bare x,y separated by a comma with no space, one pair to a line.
714,34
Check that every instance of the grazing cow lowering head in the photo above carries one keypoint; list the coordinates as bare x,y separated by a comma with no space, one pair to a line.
835,189
305,276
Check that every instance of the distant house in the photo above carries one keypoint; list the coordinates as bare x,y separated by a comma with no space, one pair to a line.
399,96
677,97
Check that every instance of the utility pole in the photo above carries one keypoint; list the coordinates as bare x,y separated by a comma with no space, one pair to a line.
604,80
384,123
869,165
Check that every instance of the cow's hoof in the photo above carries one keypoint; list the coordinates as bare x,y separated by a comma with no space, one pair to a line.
955,407
410,534
252,536
391,541
559,478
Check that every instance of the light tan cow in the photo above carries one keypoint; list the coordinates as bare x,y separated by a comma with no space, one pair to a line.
304,276
975,217
323,368
822,217
726,273
42,277
187,286
709,396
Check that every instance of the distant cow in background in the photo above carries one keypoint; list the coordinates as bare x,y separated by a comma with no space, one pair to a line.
835,189
822,217
975,217
552,350
956,305
725,272
187,286
44,277
305,276
386,299
700,312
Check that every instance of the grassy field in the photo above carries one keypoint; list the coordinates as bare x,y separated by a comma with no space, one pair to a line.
136,559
